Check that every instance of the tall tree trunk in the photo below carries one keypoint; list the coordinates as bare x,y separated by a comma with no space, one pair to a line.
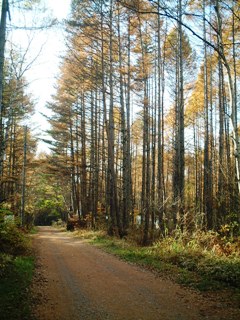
153,156
24,176
179,166
73,173
181,118
128,133
113,196
124,140
207,191
105,131
84,202
146,143
160,135
5,10
221,178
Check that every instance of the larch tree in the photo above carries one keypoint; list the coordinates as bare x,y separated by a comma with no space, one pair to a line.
144,120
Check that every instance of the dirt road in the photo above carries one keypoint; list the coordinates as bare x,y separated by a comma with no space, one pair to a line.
77,281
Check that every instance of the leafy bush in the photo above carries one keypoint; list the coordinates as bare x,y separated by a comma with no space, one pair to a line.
16,268
5,261
221,269
4,212
12,239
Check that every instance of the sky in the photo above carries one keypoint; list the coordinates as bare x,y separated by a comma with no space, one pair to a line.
46,48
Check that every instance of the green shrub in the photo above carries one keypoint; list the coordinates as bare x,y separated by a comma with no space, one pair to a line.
221,269
5,261
16,268
13,241
4,212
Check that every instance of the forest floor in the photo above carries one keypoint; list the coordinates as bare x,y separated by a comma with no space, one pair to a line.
74,280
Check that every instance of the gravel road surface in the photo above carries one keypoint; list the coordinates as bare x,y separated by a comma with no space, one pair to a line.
75,280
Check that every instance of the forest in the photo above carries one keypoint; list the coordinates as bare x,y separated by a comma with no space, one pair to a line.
144,121
141,158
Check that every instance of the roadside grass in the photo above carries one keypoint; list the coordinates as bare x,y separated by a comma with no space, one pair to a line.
16,271
33,230
199,260
14,289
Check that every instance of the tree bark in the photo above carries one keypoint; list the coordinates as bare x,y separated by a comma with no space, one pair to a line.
5,10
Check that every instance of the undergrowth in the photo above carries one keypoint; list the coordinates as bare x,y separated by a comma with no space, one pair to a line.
212,257
16,268
14,289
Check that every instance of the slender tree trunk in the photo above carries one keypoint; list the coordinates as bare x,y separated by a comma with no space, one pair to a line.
181,118
234,205
84,203
73,187
5,10
179,166
207,191
77,167
113,197
105,130
124,140
146,144
128,133
92,175
153,158
160,138
24,176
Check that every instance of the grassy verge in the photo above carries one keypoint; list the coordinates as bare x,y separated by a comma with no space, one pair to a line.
16,270
14,286
183,261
